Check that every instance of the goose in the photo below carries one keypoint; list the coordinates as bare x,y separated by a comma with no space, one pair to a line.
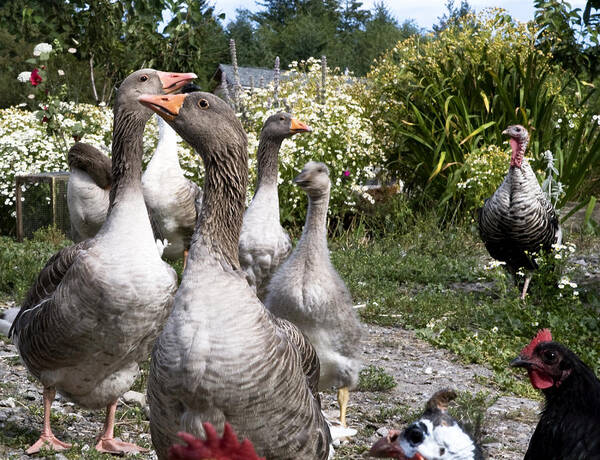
308,291
264,244
169,195
88,188
90,318
222,356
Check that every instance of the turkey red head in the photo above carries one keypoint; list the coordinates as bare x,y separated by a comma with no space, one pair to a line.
548,363
519,138
435,436
214,447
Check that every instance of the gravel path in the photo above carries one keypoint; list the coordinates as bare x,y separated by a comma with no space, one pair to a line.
418,369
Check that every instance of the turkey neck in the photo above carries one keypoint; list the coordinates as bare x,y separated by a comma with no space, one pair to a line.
127,151
224,196
314,234
518,151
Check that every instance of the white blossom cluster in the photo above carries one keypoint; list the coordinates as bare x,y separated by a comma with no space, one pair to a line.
25,147
341,136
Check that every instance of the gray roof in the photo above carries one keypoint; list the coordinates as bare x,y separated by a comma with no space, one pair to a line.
246,75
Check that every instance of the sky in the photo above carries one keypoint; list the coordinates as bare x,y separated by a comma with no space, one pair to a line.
424,12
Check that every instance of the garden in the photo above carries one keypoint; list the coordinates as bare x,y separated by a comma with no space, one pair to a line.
414,147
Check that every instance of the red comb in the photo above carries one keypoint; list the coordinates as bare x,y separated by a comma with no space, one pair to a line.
214,447
543,335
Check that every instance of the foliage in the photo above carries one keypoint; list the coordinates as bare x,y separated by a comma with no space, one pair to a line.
374,378
453,15
482,172
434,279
25,146
341,135
20,263
434,102
564,36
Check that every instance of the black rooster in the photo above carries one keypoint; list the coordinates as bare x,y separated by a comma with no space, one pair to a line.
569,427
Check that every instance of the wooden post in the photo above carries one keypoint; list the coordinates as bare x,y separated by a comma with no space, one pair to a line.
19,205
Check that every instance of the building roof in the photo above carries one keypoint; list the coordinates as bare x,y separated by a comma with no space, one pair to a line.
247,74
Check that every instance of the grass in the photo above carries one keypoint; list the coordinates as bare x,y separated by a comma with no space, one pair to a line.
374,378
432,280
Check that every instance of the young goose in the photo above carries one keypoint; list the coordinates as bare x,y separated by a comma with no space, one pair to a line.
264,244
90,318
308,291
169,195
87,189
221,356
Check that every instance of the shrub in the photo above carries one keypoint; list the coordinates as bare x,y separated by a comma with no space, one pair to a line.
341,136
25,146
434,101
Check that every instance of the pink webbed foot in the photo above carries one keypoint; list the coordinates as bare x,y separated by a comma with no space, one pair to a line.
47,442
114,446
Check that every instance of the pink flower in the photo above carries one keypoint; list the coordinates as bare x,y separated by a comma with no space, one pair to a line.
35,77
347,173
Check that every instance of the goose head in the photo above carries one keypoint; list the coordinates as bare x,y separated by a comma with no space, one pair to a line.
282,125
148,81
314,179
203,120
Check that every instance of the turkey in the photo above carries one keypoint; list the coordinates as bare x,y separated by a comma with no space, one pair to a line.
569,427
518,220
213,447
435,436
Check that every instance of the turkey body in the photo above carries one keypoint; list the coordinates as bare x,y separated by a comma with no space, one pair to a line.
518,219
222,357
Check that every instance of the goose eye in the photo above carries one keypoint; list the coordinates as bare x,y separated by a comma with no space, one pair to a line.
203,104
144,78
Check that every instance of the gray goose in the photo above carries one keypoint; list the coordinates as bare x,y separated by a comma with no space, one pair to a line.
169,195
88,188
222,356
518,220
264,244
90,317
308,291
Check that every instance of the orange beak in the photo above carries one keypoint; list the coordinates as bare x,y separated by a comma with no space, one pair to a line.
167,106
171,82
297,126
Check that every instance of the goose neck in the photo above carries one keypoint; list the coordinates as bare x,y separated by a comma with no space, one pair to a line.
267,158
224,195
315,227
127,152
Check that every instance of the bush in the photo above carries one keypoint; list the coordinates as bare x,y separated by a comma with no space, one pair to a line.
435,101
341,136
374,378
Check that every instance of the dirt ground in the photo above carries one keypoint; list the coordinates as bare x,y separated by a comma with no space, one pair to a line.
418,369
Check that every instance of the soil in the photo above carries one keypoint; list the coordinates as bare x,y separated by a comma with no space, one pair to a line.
417,368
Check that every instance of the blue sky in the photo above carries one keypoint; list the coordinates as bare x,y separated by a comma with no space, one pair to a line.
424,12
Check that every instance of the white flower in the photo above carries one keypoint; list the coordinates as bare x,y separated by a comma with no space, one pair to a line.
575,293
61,72
24,77
102,104
30,96
72,50
42,48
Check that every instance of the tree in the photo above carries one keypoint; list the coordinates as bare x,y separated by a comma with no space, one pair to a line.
453,15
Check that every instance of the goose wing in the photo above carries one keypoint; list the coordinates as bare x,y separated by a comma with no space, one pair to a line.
91,160
310,360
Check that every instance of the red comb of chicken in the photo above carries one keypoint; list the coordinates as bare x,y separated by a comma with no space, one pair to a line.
543,335
214,447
